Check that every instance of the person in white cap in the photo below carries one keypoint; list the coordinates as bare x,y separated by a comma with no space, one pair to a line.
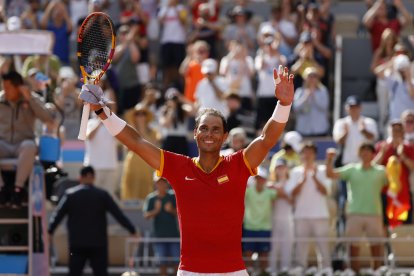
211,90
290,148
400,87
258,219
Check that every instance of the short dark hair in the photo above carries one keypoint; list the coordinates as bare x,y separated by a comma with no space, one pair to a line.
15,78
367,146
84,171
310,145
211,111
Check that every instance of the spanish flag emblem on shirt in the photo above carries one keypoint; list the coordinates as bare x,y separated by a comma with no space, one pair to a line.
222,179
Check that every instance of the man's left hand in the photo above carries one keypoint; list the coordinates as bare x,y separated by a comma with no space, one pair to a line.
25,92
284,89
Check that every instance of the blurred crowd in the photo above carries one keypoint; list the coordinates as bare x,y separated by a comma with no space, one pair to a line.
174,57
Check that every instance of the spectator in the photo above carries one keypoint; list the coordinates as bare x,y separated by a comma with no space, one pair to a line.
365,181
66,97
31,17
19,108
174,119
191,67
149,100
306,57
283,19
126,56
268,57
86,207
310,188
160,205
382,15
382,58
238,69
240,30
173,18
283,227
206,28
290,149
407,118
395,151
311,105
351,131
235,111
400,87
137,176
258,219
237,140
214,9
56,19
210,91
104,162
49,65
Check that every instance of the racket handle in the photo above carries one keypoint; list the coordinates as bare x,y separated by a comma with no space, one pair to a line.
84,122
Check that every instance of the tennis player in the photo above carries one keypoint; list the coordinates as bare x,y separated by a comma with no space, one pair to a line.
209,188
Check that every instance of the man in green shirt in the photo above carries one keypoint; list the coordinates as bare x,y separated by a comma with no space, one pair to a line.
258,218
365,181
161,206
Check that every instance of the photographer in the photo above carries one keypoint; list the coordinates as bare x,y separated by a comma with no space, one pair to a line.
381,15
210,91
174,120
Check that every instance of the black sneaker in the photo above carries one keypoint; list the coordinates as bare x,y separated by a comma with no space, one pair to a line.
3,196
16,198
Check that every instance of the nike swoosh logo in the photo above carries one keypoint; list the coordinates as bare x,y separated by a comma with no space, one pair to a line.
188,178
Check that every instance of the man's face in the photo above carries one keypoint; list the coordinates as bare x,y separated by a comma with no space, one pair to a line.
237,142
308,155
260,183
409,124
12,92
210,134
397,132
354,110
162,186
366,155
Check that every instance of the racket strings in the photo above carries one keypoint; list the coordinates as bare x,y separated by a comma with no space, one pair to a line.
96,45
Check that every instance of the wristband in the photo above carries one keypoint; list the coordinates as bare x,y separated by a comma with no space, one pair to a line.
281,113
114,124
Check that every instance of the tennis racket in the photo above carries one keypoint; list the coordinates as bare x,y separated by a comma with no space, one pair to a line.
96,48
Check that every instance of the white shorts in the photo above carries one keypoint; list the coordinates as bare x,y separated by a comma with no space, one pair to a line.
235,273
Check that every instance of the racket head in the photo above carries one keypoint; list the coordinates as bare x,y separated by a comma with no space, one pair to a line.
96,46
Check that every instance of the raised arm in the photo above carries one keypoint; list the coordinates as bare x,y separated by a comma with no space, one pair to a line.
118,128
258,149
128,136
330,171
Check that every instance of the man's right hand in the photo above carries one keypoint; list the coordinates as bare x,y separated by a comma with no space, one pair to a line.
93,95
330,154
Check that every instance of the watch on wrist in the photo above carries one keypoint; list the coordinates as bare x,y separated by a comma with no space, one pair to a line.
99,111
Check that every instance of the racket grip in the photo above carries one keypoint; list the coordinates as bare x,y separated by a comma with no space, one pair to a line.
84,122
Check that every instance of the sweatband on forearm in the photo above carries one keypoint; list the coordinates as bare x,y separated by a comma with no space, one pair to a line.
281,113
114,124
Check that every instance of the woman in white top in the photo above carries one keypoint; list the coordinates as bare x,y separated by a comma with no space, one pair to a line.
282,229
238,69
267,58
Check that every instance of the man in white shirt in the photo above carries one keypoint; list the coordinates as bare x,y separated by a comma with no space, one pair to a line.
310,187
351,131
210,91
101,153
